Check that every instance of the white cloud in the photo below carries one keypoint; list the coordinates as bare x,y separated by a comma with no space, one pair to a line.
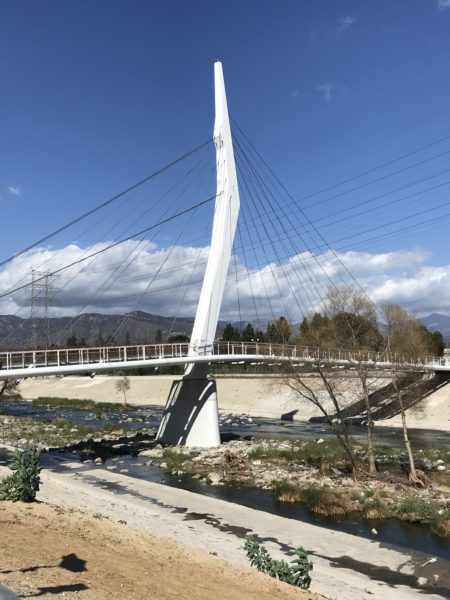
443,4
14,190
346,22
167,281
295,94
327,90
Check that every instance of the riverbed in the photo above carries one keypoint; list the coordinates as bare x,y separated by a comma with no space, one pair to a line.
401,534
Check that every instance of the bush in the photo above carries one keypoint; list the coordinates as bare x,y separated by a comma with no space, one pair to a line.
295,573
284,491
24,482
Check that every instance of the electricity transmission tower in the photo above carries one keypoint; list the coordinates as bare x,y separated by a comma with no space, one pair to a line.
42,291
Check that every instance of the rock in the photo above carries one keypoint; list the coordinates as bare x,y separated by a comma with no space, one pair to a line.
422,580
163,465
98,460
374,531
320,441
153,452
440,468
214,478
336,472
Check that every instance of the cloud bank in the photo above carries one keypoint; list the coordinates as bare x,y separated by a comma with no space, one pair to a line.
167,281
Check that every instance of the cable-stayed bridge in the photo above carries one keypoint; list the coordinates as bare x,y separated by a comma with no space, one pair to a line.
254,265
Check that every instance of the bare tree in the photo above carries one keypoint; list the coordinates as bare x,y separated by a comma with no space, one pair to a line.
293,377
9,386
407,336
123,386
353,325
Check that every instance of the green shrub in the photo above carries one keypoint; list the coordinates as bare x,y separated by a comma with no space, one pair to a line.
412,506
24,482
51,402
295,573
175,460
284,491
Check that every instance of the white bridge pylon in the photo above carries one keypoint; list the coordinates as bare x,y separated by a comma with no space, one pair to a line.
191,414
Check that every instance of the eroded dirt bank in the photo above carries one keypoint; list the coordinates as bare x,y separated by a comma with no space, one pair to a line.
48,552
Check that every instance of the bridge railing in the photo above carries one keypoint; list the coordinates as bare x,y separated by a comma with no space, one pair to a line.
144,352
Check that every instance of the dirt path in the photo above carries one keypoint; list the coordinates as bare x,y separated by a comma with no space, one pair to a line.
47,552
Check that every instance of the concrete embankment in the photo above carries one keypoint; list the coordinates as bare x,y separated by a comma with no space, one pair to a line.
345,566
255,396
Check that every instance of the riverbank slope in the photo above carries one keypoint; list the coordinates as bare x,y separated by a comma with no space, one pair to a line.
250,395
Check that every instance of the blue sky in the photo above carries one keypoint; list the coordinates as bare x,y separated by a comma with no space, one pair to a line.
95,95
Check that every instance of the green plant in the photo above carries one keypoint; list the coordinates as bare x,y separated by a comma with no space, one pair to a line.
284,491
53,402
23,483
412,505
175,460
295,573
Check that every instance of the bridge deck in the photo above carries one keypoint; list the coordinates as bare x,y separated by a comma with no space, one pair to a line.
18,364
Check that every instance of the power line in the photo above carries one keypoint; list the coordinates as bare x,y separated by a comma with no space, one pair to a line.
109,201
113,245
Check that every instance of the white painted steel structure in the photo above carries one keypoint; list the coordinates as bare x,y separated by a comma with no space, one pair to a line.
41,363
226,213
191,415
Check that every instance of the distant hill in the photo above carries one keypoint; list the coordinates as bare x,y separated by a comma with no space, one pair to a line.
140,327
437,322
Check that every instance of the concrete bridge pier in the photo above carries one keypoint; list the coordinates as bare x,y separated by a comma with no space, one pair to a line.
191,416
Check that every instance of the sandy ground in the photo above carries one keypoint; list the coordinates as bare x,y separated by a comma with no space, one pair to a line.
45,552
253,396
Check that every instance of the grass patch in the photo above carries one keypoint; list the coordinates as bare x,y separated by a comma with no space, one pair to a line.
375,507
416,509
175,460
99,407
54,433
310,453
322,500
286,492
440,525
11,396
411,505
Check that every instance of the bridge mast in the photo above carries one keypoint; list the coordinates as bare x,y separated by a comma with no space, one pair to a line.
224,226
191,414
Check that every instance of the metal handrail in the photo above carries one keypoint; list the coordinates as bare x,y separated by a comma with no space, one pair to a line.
144,352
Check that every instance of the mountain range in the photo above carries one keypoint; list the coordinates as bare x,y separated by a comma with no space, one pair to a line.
135,327
437,322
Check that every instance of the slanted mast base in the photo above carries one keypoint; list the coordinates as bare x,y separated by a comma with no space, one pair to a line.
191,416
